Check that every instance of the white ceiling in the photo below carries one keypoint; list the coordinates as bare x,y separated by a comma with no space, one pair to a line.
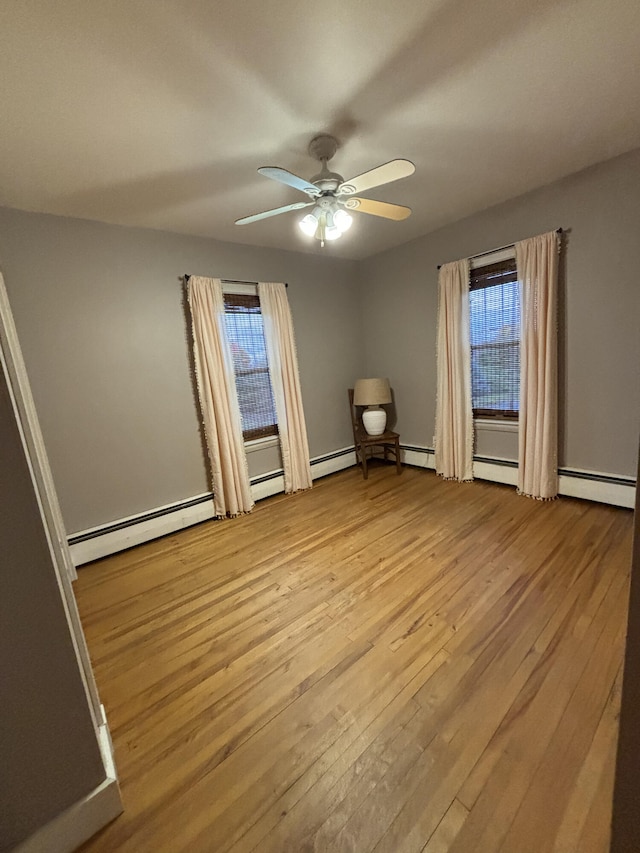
157,113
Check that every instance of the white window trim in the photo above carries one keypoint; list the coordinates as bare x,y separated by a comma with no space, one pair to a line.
238,288
496,424
493,258
261,443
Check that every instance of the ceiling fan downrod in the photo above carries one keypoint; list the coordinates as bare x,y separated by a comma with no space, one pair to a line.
322,148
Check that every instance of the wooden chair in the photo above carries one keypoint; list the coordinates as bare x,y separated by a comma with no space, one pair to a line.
369,445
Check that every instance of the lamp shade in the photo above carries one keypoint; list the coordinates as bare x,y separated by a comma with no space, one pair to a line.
371,392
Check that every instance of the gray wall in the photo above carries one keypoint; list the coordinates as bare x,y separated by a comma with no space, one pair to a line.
49,755
600,312
100,316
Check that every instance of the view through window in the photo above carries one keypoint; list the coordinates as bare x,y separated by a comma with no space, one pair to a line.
245,332
495,340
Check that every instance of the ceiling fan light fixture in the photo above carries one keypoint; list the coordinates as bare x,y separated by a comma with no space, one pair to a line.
342,220
308,225
325,223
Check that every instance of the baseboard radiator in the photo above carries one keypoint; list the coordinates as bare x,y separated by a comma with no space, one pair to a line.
97,542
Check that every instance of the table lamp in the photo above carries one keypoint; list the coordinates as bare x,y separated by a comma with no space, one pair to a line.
372,393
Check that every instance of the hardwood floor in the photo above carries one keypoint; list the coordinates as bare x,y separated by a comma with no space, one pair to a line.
401,664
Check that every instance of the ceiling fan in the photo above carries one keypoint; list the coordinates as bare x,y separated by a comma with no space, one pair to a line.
331,197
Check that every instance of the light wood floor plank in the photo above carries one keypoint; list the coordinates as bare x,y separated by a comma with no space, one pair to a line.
398,664
583,794
447,829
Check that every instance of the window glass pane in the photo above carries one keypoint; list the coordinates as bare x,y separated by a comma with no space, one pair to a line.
495,347
245,332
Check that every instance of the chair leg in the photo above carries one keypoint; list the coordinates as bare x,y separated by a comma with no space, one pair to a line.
365,472
398,462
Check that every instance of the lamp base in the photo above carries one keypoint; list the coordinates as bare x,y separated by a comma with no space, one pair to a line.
374,420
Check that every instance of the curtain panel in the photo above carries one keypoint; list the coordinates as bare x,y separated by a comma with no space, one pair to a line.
537,262
454,413
285,382
216,385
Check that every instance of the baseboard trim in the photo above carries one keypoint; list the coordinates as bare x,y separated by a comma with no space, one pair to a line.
72,827
107,539
573,482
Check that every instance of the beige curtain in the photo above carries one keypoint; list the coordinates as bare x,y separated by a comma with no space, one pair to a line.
216,383
537,262
285,381
454,412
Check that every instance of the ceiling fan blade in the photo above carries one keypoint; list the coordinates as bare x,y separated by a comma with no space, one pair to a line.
298,205
378,208
391,171
288,178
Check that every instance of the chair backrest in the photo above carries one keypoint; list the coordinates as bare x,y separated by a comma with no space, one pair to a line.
355,421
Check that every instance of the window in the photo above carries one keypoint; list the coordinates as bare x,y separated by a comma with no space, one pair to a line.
495,340
245,332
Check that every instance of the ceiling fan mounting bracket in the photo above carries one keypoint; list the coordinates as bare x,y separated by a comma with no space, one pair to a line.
323,146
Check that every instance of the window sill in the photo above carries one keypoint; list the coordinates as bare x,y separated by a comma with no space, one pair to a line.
261,443
496,424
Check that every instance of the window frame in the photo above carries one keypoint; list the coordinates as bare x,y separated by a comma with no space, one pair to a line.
509,416
252,437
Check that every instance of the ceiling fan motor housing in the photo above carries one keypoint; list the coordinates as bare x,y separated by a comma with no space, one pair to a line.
327,181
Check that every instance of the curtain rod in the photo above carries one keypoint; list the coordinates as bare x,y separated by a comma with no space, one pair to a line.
187,276
499,249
